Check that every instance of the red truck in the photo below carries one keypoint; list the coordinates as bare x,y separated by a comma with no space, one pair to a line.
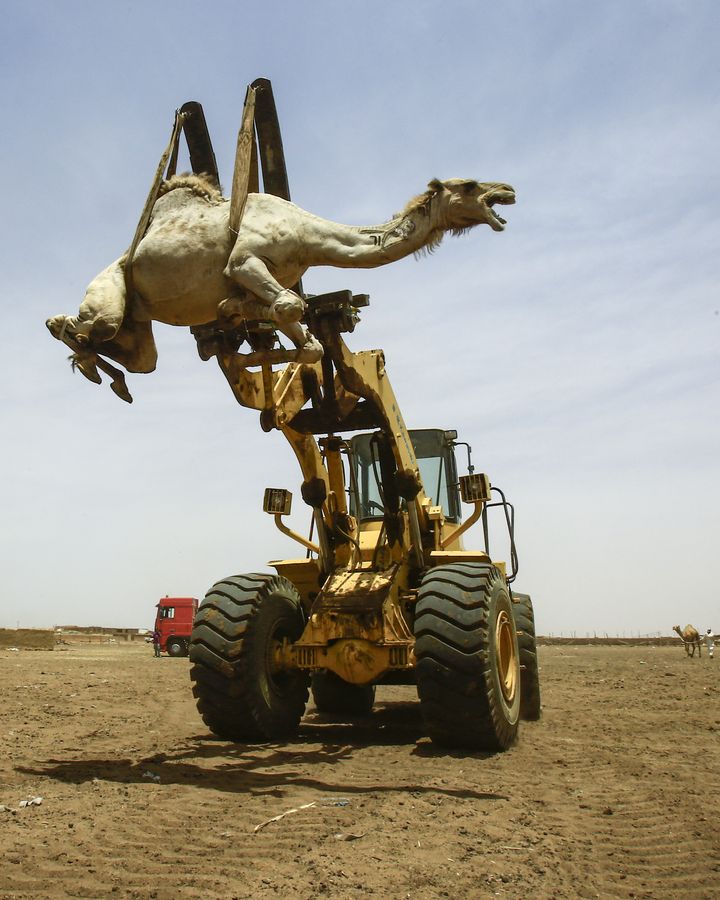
174,621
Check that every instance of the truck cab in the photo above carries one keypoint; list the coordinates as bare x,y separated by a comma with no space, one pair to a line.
174,621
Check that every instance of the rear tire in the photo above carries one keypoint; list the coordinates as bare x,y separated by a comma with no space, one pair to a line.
240,694
468,668
335,696
529,671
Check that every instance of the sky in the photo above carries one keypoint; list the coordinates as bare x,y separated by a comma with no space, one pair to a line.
578,352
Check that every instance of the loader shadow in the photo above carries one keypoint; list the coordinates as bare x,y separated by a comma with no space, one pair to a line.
207,762
390,723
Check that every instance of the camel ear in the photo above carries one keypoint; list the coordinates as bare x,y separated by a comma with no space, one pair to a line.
436,185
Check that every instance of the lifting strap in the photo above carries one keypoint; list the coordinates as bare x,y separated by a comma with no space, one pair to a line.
245,162
170,150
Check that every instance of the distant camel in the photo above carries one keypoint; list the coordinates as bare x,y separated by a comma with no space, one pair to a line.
691,638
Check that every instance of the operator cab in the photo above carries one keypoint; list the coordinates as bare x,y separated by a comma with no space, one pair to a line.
436,460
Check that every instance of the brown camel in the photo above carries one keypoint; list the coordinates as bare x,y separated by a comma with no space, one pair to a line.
691,638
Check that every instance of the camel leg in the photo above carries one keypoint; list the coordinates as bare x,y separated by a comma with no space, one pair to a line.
101,312
85,361
285,307
133,347
118,384
309,348
88,363
251,273
99,319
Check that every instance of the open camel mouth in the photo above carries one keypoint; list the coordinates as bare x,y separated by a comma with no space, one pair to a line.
505,197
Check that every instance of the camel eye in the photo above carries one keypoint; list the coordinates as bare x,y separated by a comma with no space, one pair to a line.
470,186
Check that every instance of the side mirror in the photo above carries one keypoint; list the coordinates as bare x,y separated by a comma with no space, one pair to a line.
277,501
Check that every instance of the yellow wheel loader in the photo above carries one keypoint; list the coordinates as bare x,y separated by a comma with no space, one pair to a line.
385,592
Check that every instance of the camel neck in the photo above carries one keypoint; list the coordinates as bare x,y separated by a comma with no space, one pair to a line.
406,233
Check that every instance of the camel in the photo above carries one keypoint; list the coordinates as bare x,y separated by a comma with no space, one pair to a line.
691,638
191,269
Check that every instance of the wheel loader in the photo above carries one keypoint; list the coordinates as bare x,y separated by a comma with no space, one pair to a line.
385,593
384,590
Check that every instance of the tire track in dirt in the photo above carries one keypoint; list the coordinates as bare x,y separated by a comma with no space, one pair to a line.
603,797
631,804
651,845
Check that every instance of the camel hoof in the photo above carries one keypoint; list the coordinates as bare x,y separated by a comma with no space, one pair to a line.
119,388
287,308
87,366
310,352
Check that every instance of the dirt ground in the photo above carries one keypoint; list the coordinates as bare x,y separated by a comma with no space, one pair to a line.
613,793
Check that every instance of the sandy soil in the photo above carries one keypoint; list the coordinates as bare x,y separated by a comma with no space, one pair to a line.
612,794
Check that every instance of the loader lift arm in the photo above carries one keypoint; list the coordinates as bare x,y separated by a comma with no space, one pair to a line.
345,391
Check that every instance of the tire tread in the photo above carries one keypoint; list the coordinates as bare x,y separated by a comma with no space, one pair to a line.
223,671
452,645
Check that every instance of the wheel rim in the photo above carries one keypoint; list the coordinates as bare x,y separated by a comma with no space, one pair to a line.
277,676
506,656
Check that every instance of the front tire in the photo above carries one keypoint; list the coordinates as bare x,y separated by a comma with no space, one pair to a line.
529,671
241,694
335,696
468,668
176,647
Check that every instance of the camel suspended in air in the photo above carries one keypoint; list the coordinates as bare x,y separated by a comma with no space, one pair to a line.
190,268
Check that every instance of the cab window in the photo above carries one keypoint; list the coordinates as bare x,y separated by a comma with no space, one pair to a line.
436,462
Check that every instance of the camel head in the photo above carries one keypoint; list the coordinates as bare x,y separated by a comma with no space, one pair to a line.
469,203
